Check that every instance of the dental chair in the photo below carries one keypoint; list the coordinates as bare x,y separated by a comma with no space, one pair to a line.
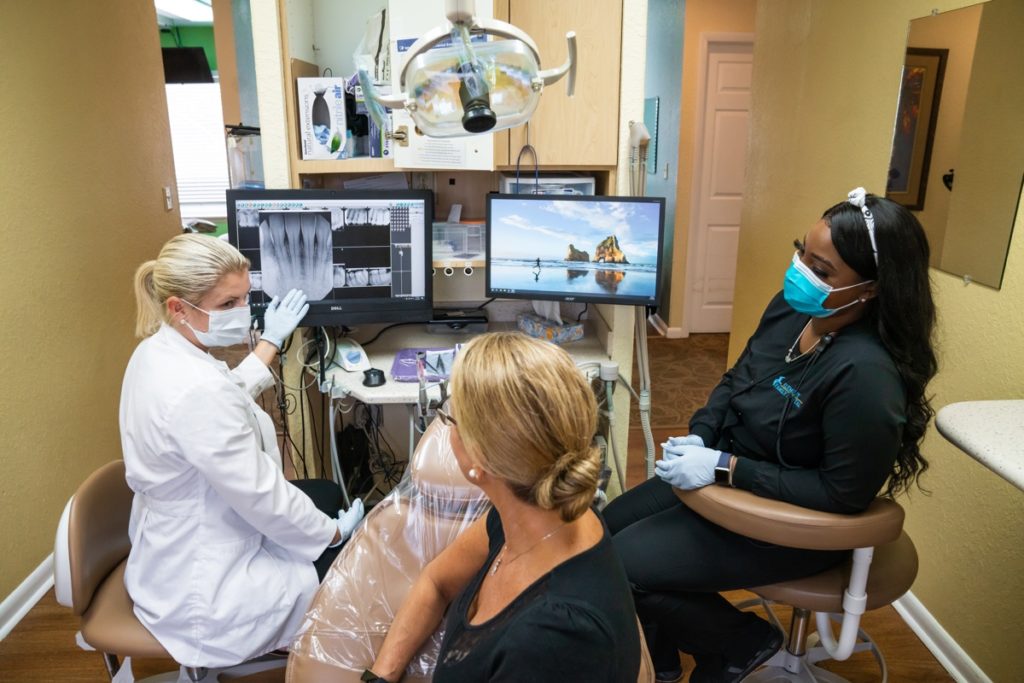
358,599
90,554
881,568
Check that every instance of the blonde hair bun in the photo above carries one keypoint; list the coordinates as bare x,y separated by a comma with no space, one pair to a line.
527,415
570,485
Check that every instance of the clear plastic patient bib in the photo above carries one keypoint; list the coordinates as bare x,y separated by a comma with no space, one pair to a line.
367,584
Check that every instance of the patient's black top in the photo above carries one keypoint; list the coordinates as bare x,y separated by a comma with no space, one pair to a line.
575,623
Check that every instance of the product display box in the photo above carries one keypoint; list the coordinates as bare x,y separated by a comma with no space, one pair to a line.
321,113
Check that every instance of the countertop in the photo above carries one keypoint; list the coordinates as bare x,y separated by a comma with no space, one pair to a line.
991,432
382,352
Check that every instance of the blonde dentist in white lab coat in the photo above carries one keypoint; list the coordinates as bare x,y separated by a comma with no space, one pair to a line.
221,566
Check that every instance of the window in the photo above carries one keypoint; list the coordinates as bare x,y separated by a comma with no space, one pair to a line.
200,158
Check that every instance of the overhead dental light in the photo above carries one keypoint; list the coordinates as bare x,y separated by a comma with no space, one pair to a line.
454,82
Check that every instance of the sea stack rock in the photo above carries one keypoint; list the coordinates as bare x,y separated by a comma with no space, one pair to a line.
575,254
608,251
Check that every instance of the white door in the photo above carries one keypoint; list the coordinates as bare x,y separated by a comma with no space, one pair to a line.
722,124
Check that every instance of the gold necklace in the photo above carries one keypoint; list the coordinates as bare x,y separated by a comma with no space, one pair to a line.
789,354
504,549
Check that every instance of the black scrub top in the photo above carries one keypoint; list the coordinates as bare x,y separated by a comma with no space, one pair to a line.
843,424
575,623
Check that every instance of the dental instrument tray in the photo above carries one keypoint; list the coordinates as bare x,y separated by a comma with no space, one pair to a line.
437,364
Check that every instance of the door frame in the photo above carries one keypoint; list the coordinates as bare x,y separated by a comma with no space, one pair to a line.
706,41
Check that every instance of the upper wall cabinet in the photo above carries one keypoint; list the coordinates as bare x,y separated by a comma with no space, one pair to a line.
581,130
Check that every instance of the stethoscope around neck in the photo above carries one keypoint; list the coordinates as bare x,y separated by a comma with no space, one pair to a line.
823,344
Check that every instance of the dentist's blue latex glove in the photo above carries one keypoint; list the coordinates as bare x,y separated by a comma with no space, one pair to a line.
348,520
687,467
282,316
688,440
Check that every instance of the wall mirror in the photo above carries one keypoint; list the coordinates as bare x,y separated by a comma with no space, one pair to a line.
958,144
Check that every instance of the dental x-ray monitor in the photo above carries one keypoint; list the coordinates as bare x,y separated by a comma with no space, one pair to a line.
575,248
360,257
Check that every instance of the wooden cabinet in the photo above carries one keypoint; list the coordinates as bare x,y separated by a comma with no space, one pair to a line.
579,131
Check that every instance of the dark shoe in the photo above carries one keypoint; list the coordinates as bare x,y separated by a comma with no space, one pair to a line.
734,673
708,669
669,676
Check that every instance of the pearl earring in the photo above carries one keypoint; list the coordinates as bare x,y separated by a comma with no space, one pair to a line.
474,473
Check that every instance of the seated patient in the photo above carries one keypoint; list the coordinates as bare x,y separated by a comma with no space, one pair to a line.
533,591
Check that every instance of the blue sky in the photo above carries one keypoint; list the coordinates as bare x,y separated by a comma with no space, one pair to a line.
523,228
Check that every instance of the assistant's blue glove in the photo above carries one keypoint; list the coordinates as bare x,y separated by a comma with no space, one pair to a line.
687,467
348,520
688,440
283,316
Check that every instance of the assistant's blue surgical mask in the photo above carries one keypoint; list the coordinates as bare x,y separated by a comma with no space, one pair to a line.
806,293
226,328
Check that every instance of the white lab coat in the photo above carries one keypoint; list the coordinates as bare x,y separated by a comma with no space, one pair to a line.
220,568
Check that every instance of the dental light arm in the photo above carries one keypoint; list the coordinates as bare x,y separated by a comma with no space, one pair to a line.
499,82
568,67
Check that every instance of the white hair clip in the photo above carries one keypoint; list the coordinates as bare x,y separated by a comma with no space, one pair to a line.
858,197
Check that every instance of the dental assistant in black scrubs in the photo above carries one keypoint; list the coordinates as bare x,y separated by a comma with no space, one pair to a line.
825,406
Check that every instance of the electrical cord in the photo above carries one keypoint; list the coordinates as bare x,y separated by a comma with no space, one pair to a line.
285,411
381,459
580,316
385,329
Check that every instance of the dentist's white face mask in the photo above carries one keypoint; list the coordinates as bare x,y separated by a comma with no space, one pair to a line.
226,328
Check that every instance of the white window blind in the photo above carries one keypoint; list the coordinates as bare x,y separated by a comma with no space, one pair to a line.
200,158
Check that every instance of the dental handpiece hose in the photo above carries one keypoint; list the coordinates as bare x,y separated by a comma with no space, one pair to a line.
609,387
421,375
644,399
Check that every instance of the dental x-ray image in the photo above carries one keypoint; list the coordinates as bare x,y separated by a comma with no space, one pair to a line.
296,252
359,256
342,217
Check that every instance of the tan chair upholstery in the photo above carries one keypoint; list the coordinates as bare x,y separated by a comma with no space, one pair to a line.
368,582
877,538
97,547
97,551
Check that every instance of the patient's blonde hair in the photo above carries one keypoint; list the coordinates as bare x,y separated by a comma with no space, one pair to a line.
528,416
188,266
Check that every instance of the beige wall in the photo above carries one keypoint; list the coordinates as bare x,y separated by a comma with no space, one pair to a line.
702,16
826,76
86,150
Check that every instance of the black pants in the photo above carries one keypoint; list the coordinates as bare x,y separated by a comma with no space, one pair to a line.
677,562
326,495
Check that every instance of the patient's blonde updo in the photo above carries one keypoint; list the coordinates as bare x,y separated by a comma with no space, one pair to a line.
528,416
188,266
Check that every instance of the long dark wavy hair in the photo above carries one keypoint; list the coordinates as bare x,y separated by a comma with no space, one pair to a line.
903,311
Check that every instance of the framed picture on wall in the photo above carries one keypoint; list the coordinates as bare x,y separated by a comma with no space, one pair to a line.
916,113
